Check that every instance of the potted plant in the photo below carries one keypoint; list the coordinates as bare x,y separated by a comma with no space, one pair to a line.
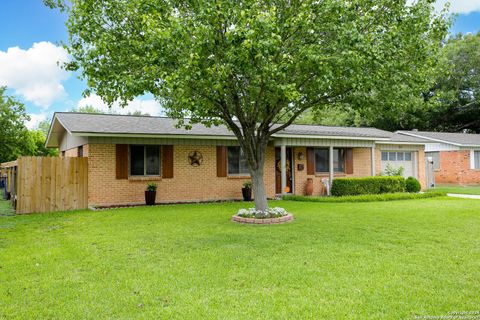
247,191
150,194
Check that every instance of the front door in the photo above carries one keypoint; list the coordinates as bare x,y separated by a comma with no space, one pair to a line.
278,171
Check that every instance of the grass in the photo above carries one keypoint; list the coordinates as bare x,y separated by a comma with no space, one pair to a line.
367,197
384,260
5,207
457,189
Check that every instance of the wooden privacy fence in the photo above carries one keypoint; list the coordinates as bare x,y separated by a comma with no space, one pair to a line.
47,184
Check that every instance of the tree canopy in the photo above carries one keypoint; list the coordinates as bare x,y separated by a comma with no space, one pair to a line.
254,66
15,139
455,97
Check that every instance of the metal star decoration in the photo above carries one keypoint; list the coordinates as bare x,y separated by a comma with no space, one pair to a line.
195,158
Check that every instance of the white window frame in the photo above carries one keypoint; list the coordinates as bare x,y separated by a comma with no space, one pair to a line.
472,158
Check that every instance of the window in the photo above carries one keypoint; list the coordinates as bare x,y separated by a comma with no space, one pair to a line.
322,157
144,160
237,163
80,151
396,156
476,157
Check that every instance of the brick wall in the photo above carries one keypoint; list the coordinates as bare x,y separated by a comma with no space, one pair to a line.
73,152
188,184
361,168
455,168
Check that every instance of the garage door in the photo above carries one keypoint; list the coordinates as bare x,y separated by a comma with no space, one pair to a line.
398,159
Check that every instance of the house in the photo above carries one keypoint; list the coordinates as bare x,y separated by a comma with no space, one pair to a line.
455,156
204,164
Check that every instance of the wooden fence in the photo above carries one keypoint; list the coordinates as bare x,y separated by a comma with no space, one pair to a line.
47,184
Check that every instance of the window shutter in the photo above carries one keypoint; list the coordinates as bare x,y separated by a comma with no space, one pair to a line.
121,161
310,161
349,161
221,161
167,162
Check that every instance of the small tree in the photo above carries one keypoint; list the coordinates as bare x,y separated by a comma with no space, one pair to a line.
254,66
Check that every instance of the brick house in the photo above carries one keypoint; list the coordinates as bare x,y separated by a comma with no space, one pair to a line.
455,156
203,164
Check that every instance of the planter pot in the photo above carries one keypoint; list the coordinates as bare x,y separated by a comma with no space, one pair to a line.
247,194
309,187
150,197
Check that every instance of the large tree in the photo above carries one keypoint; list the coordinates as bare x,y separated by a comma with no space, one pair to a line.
252,65
454,100
15,139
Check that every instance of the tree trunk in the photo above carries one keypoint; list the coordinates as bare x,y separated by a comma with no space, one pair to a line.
254,148
259,189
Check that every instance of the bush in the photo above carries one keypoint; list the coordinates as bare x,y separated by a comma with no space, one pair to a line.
392,171
368,197
368,185
412,185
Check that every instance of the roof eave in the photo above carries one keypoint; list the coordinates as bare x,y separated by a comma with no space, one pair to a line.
429,138
152,135
305,136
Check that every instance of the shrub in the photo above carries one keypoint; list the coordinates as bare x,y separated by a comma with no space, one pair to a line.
247,184
151,187
368,197
391,171
412,185
368,185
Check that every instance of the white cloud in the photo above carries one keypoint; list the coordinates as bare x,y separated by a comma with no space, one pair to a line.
35,73
149,106
459,6
35,119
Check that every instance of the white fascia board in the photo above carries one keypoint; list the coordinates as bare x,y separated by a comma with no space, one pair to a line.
50,131
402,143
303,136
153,136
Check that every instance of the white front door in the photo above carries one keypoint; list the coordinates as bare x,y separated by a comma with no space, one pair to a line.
399,159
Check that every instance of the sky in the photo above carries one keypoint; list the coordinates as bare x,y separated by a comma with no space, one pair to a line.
30,51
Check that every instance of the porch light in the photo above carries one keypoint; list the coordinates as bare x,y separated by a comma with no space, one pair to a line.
301,156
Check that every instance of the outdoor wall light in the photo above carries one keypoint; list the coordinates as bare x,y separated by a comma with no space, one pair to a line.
301,156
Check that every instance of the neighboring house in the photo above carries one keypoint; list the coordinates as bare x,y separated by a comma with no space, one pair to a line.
204,164
456,156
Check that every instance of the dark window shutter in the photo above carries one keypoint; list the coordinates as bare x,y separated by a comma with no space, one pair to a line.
121,161
349,161
167,162
310,161
221,161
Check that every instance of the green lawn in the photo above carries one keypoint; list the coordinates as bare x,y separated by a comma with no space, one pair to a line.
457,189
382,260
5,208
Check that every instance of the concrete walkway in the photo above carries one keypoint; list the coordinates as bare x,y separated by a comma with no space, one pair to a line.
466,196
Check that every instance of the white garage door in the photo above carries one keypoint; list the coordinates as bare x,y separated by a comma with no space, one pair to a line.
399,159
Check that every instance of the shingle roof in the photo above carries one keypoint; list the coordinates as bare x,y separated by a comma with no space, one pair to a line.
462,139
397,137
123,124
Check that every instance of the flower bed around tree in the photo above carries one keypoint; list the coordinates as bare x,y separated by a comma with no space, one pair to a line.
270,216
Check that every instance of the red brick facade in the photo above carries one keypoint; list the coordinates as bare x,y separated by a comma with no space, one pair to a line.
455,169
